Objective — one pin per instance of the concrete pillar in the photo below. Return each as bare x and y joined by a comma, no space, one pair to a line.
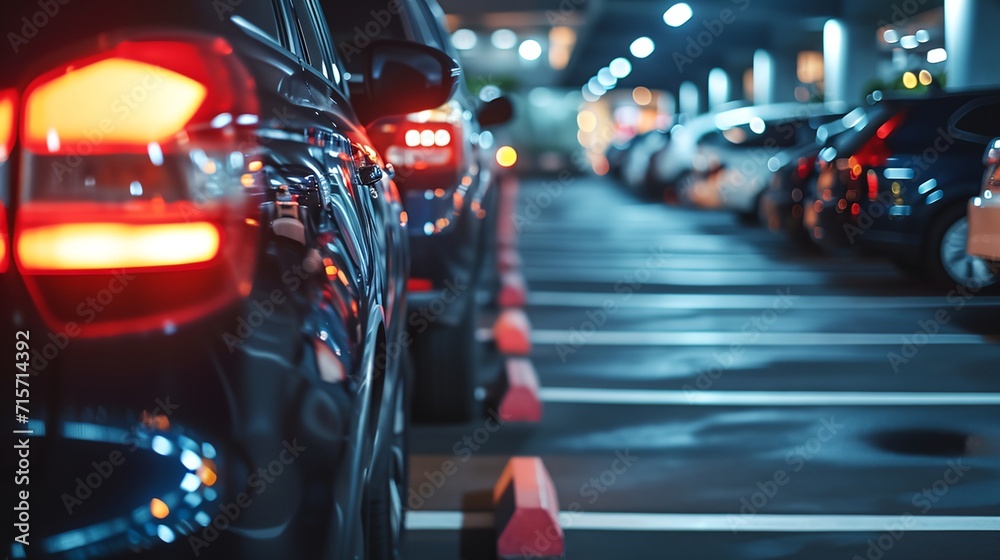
774,78
848,59
719,89
970,31
763,77
689,99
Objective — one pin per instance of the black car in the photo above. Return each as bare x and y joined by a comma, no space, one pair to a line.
448,190
792,171
204,259
898,183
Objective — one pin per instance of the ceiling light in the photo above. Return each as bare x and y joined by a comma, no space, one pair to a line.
530,50
464,39
935,56
504,39
620,68
596,88
606,79
642,47
677,15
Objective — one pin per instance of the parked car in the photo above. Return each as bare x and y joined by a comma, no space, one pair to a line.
635,169
984,210
792,170
615,155
898,184
670,164
204,261
730,167
447,186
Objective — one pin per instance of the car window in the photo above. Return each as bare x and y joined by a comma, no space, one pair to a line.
980,119
441,19
263,15
315,37
355,25
434,33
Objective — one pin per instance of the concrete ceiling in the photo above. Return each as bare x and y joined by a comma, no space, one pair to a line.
606,28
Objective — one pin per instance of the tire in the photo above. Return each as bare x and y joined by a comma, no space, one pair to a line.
946,262
445,359
386,511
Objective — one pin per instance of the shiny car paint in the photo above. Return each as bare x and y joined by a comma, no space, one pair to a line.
297,363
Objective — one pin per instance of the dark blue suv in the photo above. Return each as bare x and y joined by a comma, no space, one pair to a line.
203,260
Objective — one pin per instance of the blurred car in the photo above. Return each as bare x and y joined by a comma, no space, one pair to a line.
616,157
635,168
730,167
898,183
447,186
204,263
791,172
984,210
670,164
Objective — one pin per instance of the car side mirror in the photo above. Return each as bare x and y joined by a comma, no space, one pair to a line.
496,112
403,77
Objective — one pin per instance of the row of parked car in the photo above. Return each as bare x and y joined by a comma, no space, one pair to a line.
225,228
901,177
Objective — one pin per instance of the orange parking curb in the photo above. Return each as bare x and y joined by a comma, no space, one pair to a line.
513,290
527,511
512,333
520,401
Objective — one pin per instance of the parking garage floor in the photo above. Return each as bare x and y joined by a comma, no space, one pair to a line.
710,392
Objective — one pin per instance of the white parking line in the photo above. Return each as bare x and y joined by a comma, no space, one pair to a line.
447,520
730,301
715,522
703,278
723,338
762,398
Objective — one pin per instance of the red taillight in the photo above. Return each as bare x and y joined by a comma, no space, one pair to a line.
425,147
427,137
872,184
136,94
805,167
875,151
8,122
136,184
419,285
420,146
135,237
3,238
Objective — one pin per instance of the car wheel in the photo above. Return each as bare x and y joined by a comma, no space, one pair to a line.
445,362
948,261
390,476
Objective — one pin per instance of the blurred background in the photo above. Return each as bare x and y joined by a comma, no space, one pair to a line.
591,73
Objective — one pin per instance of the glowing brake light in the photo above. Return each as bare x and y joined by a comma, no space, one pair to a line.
3,238
427,138
8,114
137,181
805,166
413,138
108,246
156,104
